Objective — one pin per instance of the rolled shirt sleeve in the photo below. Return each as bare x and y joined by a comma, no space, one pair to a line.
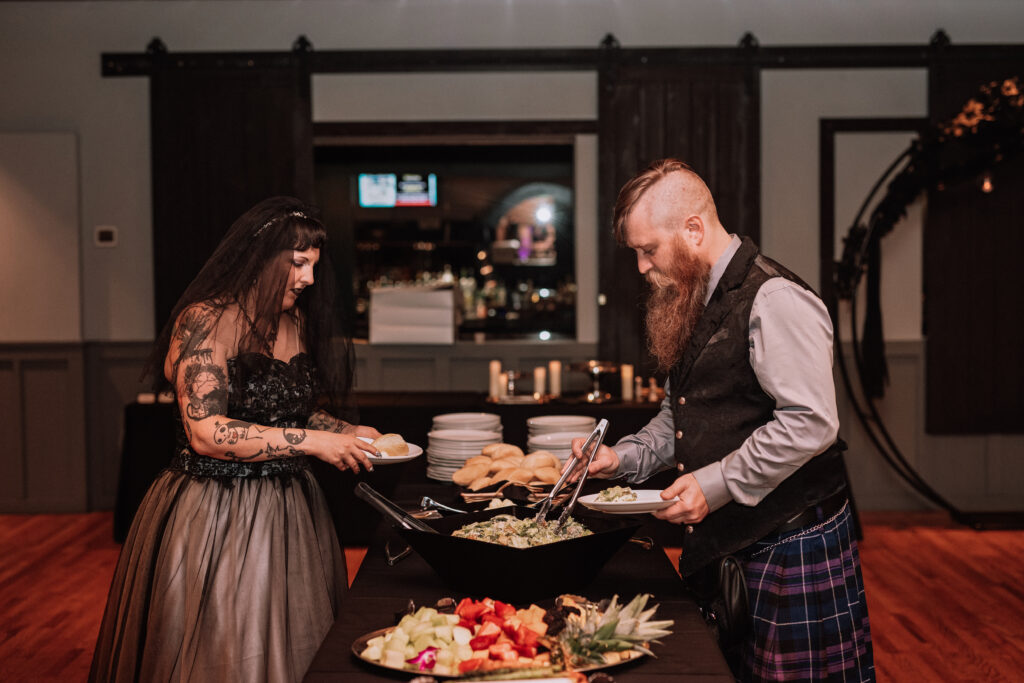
652,449
790,337
791,354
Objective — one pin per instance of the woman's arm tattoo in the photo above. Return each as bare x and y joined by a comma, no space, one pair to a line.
323,421
204,383
234,432
194,329
206,388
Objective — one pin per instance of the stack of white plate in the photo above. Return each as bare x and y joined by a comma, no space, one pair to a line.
546,424
448,449
487,422
558,443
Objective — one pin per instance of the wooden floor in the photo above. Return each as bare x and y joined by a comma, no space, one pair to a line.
946,602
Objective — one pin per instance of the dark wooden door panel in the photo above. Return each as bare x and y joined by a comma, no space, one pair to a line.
708,116
972,246
222,140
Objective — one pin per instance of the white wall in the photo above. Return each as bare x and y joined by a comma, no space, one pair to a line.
51,82
792,103
860,159
515,96
39,272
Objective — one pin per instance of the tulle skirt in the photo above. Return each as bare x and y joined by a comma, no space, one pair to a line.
222,580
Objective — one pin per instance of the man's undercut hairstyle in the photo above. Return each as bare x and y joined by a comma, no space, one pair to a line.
634,190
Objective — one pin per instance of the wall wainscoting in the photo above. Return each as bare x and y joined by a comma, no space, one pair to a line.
43,462
974,472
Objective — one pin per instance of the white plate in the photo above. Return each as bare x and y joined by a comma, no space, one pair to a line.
569,421
359,646
467,421
647,500
414,452
555,440
462,436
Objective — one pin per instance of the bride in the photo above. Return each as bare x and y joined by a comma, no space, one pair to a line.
232,570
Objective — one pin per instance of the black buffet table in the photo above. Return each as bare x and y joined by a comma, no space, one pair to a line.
149,445
380,591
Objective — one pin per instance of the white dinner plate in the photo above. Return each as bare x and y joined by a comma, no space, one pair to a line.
567,422
483,421
647,500
463,436
414,452
561,440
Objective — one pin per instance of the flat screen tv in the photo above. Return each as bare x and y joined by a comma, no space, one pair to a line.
390,190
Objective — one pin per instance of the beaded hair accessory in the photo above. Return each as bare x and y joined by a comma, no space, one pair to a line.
291,214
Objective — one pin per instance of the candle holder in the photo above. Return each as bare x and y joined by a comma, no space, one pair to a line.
597,369
510,395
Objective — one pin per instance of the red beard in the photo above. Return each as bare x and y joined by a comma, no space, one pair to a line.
675,304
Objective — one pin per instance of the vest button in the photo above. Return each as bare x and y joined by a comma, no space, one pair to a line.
679,434
680,467
689,528
682,400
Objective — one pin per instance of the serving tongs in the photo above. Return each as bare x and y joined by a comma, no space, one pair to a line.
390,510
428,503
593,442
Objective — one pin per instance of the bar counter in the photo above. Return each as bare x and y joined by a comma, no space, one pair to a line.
380,591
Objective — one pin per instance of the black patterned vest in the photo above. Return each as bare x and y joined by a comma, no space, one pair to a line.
717,403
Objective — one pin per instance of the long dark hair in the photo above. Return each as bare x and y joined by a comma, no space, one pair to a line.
250,269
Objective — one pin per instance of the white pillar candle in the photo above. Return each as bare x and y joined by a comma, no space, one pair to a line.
494,383
555,379
539,374
502,384
626,371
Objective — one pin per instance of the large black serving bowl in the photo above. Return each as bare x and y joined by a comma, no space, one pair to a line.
520,575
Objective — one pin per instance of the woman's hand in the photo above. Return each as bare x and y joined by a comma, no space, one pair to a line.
344,451
361,430
324,421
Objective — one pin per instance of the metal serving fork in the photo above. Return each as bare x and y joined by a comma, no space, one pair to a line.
593,442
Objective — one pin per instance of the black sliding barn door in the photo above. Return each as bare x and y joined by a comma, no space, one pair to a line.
973,243
223,138
708,116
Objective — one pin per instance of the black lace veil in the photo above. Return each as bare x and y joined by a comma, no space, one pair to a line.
250,268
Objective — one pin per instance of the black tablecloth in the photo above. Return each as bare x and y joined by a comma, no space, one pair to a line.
149,445
380,591
147,448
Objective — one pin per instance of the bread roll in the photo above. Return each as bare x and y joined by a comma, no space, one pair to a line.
479,483
520,475
548,475
509,461
391,445
538,459
489,449
478,460
468,474
504,450
502,475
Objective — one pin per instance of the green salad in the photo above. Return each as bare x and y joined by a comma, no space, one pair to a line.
521,533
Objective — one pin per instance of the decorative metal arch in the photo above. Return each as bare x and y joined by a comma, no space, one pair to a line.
989,130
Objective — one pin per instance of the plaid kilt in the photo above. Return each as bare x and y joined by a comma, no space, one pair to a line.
806,595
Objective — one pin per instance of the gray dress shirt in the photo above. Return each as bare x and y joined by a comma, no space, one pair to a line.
791,354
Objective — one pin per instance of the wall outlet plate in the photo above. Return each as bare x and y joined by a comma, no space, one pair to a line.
105,236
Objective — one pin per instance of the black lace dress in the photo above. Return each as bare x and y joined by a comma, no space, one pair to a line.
231,571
